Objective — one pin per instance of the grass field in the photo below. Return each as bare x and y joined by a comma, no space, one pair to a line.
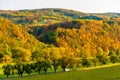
104,73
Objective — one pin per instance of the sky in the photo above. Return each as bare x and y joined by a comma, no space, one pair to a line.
89,6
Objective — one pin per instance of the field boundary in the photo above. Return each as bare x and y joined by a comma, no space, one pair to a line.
98,67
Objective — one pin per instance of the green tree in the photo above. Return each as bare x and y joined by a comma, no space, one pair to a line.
102,59
55,57
95,61
1,56
36,55
46,65
21,54
86,62
118,52
67,57
72,64
112,53
28,68
20,68
13,69
49,37
114,59
38,66
7,70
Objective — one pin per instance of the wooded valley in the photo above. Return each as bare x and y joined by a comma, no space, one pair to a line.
52,38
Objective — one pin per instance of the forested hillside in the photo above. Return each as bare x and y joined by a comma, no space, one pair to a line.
14,38
80,34
55,15
53,38
86,38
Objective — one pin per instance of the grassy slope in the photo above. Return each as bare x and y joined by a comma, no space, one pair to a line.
104,73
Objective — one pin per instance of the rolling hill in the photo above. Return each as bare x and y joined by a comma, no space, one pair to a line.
85,37
86,34
53,15
59,38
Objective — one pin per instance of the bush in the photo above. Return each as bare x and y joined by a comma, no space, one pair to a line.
86,62
114,59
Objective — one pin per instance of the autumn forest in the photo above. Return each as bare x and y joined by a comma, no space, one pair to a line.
57,38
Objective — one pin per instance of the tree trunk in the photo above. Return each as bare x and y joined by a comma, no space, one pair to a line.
7,76
95,64
55,70
63,69
21,74
39,72
45,71
100,64
54,65
13,73
87,66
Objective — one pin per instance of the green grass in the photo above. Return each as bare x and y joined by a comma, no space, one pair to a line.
104,73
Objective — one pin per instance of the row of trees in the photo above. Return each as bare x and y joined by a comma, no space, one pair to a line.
44,65
20,68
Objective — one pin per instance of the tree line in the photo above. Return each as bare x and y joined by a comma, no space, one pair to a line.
54,58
